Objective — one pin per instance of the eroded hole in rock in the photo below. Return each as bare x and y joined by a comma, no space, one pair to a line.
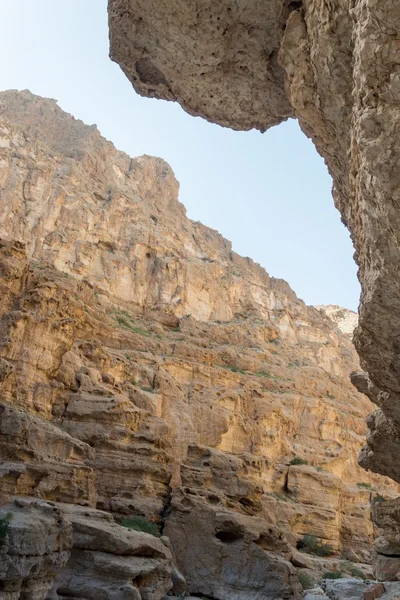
265,542
149,73
228,537
295,5
229,532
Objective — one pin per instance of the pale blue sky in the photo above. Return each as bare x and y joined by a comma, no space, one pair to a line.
270,194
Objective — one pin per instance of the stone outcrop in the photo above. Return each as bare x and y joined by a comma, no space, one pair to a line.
146,369
112,562
225,554
345,319
58,551
386,514
37,546
333,65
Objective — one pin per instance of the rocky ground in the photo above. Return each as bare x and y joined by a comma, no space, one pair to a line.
147,370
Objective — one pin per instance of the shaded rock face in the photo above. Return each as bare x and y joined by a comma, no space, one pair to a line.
36,548
386,560
233,49
146,369
57,551
228,555
332,64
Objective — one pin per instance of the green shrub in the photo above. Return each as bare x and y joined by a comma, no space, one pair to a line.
125,321
4,525
332,575
379,498
311,544
265,374
233,369
306,581
294,363
354,571
367,486
298,461
141,524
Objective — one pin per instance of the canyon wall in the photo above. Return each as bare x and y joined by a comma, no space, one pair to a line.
148,370
332,64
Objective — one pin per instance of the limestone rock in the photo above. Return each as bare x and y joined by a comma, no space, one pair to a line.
317,594
109,561
235,47
339,63
224,554
339,589
386,561
37,546
145,365
345,319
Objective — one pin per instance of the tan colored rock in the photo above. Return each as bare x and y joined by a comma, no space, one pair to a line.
112,562
114,397
38,458
340,79
345,319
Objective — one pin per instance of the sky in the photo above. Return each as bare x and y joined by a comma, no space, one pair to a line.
269,194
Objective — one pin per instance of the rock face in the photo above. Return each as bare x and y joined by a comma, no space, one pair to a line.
336,67
146,369
332,64
345,319
36,547
58,551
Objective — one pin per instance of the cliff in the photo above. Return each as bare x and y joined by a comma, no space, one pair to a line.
148,371
333,65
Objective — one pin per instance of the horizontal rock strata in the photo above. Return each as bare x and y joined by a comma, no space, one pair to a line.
332,64
147,370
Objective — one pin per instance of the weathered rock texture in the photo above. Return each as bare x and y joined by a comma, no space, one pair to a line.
345,319
334,65
36,548
146,369
57,551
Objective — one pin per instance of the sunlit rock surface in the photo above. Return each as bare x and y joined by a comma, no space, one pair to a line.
334,65
345,319
146,369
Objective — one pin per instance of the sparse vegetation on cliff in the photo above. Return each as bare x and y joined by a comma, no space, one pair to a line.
367,486
379,498
4,525
310,543
332,575
139,523
306,581
298,461
354,571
